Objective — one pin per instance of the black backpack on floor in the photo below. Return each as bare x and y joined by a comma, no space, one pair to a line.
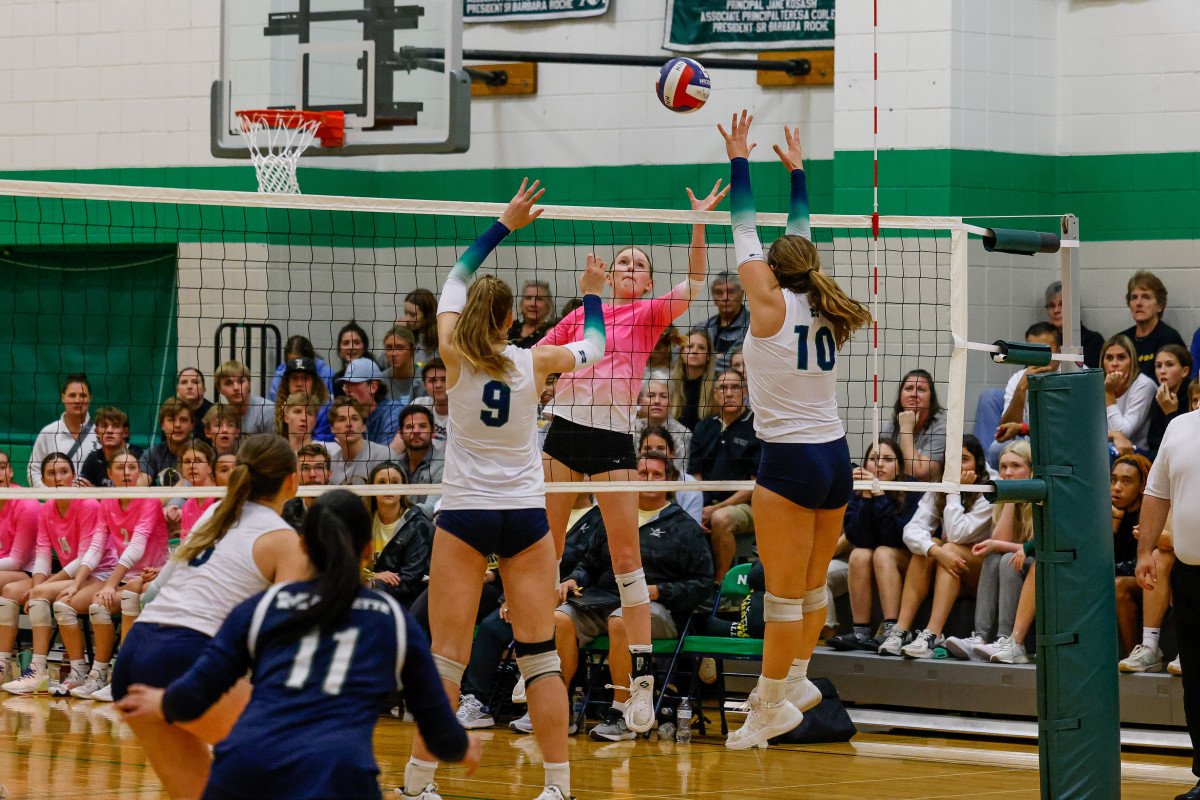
826,722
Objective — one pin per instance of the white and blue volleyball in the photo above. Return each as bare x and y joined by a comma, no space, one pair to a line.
683,85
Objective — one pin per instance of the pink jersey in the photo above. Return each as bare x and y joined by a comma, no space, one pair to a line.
605,396
68,535
192,509
18,535
136,535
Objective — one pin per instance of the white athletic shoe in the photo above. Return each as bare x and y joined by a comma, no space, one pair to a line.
96,680
473,714
103,695
430,792
1009,651
522,725
923,645
518,695
964,649
639,708
30,682
764,721
1142,659
894,642
803,694
613,728
553,793
984,652
1175,668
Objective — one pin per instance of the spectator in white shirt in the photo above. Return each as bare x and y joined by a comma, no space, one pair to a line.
1127,397
73,433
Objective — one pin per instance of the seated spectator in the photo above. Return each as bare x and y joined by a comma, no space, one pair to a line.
918,426
679,573
420,460
362,380
725,448
223,428
999,585
1148,656
72,434
401,379
420,317
1089,340
198,463
662,357
301,411
403,537
874,527
1128,484
161,462
352,343
659,440
727,328
692,381
189,387
1172,366
300,347
356,455
1011,649
537,307
313,467
300,377
233,383
112,431
226,464
436,400
1015,420
658,414
1146,297
18,546
1128,395
737,361
940,536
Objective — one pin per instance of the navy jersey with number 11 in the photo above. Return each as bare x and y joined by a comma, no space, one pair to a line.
307,732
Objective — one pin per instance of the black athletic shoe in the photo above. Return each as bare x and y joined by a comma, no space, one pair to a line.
850,641
1191,794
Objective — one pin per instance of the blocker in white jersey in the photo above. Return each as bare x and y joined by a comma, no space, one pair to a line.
792,377
492,456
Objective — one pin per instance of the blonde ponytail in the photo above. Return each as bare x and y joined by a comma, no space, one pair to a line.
481,325
796,263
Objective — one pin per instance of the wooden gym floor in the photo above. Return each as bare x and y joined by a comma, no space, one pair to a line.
55,748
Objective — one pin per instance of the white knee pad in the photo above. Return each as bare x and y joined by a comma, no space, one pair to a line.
815,599
131,605
10,612
633,588
538,660
783,609
65,615
40,615
449,670
99,614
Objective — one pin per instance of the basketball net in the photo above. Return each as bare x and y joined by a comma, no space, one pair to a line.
277,138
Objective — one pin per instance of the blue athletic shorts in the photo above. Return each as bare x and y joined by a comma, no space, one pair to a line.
810,475
155,655
504,533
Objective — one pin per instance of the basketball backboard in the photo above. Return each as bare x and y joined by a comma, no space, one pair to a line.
394,68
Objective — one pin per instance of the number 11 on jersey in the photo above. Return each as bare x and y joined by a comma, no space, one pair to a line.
826,350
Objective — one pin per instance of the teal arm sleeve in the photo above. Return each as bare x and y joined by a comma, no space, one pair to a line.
746,246
798,224
454,292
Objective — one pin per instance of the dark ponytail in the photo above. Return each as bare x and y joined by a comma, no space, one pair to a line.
337,529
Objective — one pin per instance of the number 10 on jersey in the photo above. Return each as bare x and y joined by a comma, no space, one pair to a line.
826,350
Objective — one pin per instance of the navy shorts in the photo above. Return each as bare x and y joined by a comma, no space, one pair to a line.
155,655
503,533
592,451
810,475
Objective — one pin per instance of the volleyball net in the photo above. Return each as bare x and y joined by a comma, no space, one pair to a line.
130,285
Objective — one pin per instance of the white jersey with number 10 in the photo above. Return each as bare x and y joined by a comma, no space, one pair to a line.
792,378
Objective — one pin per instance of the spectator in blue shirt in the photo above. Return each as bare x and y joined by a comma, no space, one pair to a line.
364,382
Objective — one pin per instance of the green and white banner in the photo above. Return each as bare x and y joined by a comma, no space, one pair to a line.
525,10
695,26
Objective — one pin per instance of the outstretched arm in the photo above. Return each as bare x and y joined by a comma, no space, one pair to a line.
797,224
590,349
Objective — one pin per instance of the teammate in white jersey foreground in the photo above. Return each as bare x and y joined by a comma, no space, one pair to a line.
493,494
799,320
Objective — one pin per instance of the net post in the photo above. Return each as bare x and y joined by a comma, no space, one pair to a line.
1069,266
956,399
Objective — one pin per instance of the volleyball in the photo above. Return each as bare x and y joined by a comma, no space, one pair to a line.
683,85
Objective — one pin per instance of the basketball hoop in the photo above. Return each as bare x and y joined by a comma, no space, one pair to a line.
277,137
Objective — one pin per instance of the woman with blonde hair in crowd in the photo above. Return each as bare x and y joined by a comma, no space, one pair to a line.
693,379
1128,395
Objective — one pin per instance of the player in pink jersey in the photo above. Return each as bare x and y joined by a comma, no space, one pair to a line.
18,543
135,530
589,438
65,527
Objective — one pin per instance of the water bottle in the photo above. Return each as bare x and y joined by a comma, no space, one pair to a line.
578,701
683,722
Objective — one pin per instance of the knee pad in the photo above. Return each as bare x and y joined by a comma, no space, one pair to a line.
537,660
449,670
65,615
815,599
40,615
783,609
10,612
131,604
99,614
633,589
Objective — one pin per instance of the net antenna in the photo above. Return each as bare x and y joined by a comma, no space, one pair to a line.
277,138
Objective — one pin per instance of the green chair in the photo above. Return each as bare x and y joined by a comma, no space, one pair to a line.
595,654
734,589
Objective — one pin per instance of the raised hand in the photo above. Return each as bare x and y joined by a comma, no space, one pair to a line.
712,201
1166,399
520,211
790,157
594,276
736,144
